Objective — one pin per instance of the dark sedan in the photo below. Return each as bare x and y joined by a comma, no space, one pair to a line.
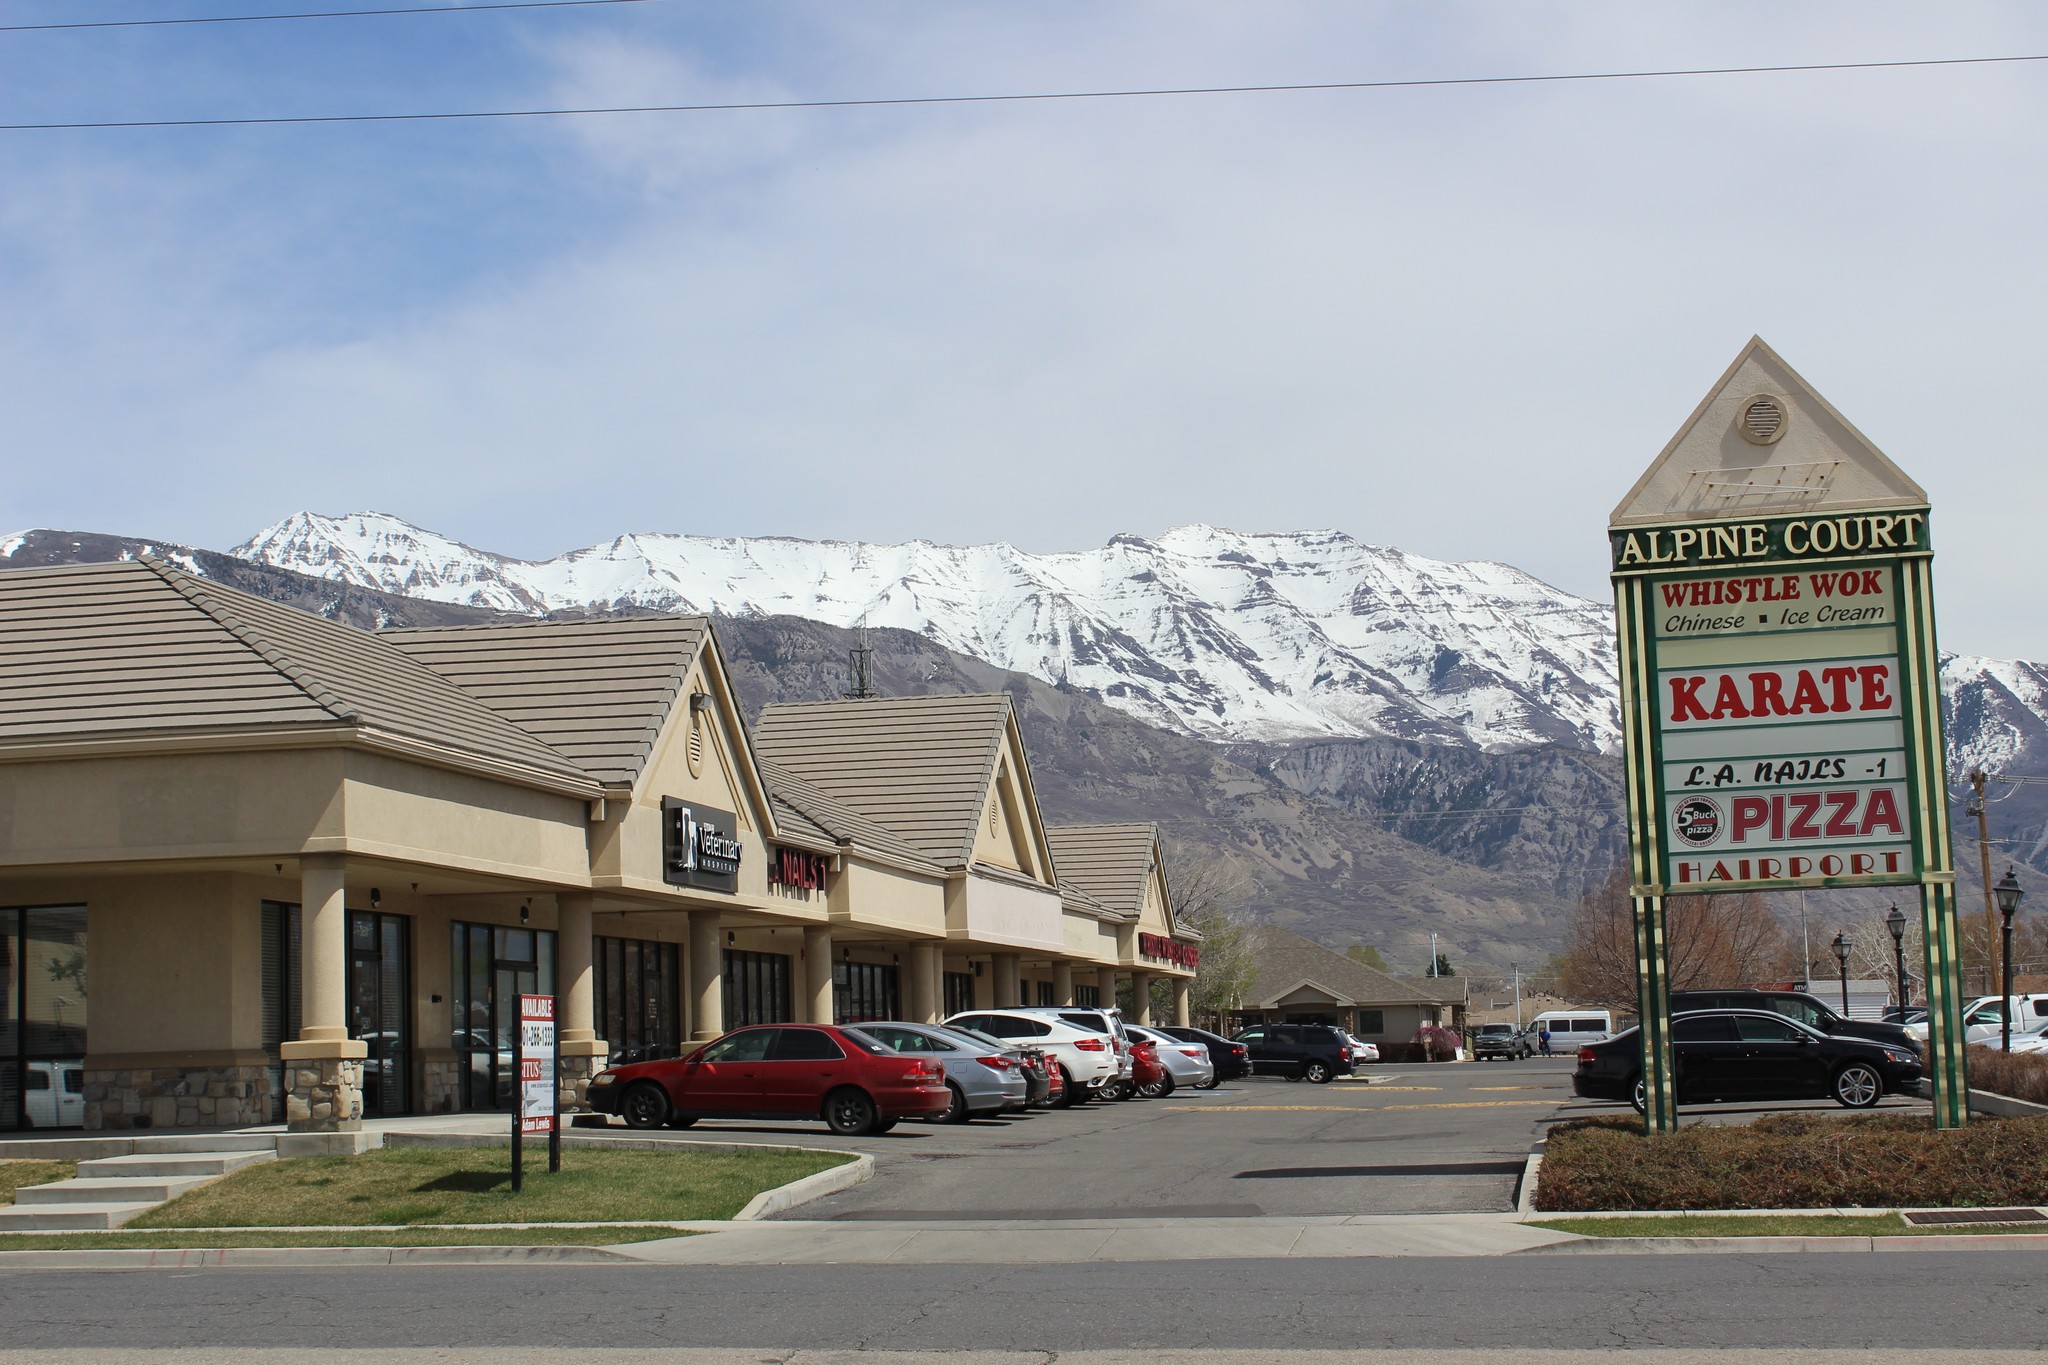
1751,1055
1231,1060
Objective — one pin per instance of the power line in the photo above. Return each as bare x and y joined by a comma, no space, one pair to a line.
1038,97
318,14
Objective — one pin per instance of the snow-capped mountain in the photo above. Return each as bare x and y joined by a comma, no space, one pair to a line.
1201,630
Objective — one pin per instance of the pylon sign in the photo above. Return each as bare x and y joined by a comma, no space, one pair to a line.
1780,683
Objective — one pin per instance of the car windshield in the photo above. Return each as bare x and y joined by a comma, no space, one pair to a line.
1503,1030
976,1035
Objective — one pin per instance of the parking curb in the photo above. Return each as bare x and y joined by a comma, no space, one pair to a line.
768,1203
190,1258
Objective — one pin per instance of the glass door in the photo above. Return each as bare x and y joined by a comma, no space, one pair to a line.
380,1008
492,966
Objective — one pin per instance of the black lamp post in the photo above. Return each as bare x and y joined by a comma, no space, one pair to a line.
2009,896
1896,922
1841,947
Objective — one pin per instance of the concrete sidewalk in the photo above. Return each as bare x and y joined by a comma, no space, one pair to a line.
1010,1242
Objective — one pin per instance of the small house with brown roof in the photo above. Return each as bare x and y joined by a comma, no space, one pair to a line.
1301,981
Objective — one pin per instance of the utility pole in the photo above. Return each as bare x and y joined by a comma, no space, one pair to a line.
1432,955
1976,808
1518,995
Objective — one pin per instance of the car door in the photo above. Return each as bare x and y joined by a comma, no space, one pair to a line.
1284,1050
802,1067
1706,1052
1778,1060
725,1076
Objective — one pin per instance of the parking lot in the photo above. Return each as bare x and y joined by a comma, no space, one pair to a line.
1408,1139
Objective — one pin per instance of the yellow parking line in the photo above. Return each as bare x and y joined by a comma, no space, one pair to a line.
1518,1087
1273,1108
1387,1089
1467,1104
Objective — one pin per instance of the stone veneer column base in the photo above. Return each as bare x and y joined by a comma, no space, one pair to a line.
127,1098
579,1062
323,1086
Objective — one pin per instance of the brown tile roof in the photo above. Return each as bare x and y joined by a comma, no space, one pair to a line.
803,808
140,648
1080,902
595,691
1284,960
918,767
1109,862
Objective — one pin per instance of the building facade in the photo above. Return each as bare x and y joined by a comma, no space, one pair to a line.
256,866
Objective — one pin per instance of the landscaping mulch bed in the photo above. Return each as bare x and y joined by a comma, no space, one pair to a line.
1795,1161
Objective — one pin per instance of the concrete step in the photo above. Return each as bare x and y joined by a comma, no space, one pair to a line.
152,1191
68,1217
96,1147
172,1165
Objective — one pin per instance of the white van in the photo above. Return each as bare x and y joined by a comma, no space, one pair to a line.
1571,1030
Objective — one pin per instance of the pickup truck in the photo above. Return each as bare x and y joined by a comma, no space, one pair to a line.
1498,1040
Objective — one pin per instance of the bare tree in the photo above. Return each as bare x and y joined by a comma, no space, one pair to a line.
1210,889
1711,941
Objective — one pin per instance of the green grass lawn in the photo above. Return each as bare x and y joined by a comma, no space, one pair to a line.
415,1185
15,1174
396,1237
1791,1225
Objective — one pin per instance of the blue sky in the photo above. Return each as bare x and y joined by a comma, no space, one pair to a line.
1455,320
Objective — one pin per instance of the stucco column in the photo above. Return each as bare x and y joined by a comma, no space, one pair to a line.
1063,983
925,997
582,1052
1105,986
707,977
324,1067
1141,997
1009,993
1183,999
818,973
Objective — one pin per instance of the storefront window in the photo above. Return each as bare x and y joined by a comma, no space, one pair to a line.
864,990
1045,994
490,966
1371,1022
43,1011
1088,997
959,993
281,994
636,998
756,988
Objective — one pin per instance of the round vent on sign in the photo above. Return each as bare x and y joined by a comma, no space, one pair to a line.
1763,419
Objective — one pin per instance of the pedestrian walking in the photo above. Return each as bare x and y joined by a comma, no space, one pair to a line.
1543,1040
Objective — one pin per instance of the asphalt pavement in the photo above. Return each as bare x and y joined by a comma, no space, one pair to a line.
1933,1301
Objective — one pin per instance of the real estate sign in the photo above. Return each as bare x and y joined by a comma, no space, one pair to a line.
536,1063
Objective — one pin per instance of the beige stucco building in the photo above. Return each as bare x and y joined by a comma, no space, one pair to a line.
257,865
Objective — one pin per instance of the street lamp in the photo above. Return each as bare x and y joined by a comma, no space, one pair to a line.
2009,897
1841,947
1896,922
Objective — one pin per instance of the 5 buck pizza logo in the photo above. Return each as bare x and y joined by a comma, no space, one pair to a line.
1697,821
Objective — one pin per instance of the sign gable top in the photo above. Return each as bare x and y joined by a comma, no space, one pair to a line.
1763,442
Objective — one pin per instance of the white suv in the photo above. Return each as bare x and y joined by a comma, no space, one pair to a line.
1089,1044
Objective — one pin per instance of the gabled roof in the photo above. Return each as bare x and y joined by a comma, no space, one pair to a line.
1795,454
1073,898
804,809
919,767
141,649
597,691
1109,862
1284,962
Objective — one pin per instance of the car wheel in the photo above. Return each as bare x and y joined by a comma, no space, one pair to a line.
644,1106
1113,1091
850,1113
1858,1086
882,1127
681,1120
1317,1073
956,1107
1210,1084
1072,1092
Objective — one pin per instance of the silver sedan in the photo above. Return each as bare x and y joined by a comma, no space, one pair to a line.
983,1081
1187,1063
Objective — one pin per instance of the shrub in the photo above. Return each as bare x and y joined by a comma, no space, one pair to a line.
1438,1044
2019,1075
1795,1161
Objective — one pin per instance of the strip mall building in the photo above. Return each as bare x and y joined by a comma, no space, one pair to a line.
258,866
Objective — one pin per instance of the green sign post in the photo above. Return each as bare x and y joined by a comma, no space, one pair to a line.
1780,686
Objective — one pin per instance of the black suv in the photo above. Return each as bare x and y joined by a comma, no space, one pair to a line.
1300,1052
1797,1006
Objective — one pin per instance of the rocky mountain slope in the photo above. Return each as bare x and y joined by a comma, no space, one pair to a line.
1206,631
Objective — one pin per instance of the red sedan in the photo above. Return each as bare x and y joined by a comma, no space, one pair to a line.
1148,1073
778,1071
